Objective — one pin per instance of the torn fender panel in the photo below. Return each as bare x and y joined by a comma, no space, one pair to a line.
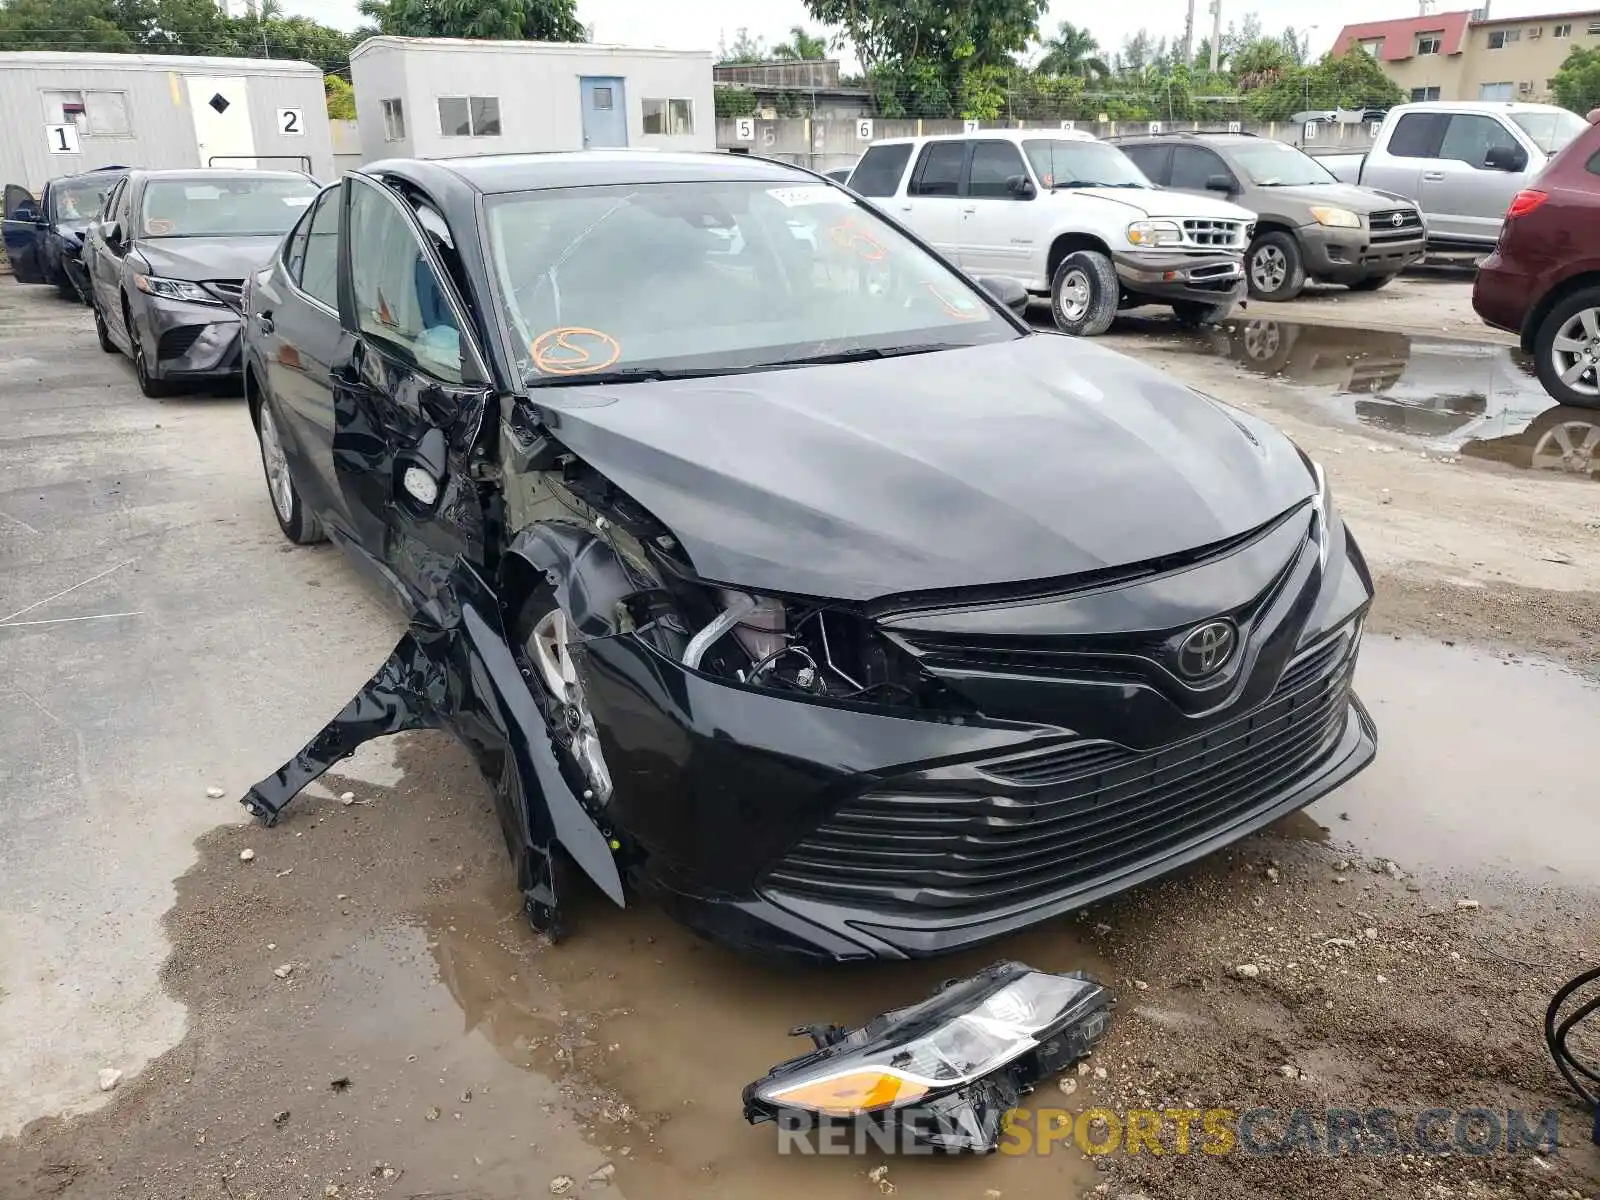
943,1072
465,679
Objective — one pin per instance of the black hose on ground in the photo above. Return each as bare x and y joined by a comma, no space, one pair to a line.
1585,1080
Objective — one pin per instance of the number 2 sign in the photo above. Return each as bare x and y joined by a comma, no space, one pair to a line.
292,122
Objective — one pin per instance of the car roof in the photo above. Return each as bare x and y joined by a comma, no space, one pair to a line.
496,173
1004,135
1504,106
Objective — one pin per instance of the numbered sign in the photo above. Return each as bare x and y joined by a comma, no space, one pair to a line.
1234,126
769,136
864,130
1155,126
744,128
1069,126
969,127
291,122
1373,127
1311,131
63,138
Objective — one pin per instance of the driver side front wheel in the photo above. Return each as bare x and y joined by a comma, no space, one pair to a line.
298,523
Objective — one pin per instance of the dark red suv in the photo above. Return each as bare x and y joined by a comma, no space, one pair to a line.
1543,280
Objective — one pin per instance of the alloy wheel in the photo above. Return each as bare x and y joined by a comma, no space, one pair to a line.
279,484
1570,446
550,648
1075,295
1268,268
1575,352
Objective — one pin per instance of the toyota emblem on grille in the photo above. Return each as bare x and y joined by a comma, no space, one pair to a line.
1398,219
1206,649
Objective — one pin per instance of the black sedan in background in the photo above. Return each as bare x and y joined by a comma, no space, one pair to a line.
44,237
767,563
167,260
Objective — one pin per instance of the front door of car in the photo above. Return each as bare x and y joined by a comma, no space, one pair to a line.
410,403
23,234
105,250
932,203
1462,194
996,232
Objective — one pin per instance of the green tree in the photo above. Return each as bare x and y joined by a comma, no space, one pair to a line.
734,101
513,20
341,98
63,25
801,45
745,49
1073,52
1576,84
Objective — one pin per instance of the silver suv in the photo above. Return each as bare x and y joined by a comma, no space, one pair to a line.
1308,224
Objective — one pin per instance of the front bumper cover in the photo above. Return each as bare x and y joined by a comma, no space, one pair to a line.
1349,255
184,340
1198,278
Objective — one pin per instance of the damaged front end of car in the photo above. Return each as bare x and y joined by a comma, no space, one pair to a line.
943,1073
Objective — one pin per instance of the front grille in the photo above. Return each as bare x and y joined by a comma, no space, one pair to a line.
1072,815
175,343
1383,229
1214,233
229,291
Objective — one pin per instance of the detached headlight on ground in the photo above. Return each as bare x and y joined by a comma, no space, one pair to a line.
173,289
949,1067
1155,233
1339,218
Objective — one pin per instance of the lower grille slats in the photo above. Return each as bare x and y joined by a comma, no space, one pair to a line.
1114,807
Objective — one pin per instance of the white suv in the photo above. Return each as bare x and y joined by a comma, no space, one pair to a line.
1065,215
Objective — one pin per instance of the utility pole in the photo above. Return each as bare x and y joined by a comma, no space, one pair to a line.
1188,38
1216,34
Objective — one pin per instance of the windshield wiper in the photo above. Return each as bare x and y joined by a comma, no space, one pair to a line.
862,354
625,375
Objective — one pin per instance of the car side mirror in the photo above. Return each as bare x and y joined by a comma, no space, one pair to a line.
1505,158
1008,291
1021,187
1220,183
112,232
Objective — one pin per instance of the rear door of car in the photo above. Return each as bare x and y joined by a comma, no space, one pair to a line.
23,234
410,401
295,323
995,232
1462,196
1153,158
932,203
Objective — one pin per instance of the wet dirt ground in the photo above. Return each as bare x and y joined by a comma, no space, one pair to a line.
422,1042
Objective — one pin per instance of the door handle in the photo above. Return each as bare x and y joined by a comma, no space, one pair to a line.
1433,176
973,209
265,321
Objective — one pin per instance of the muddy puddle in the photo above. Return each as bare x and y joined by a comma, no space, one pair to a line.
1479,400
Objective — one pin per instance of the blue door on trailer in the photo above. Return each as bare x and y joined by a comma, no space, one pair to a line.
605,112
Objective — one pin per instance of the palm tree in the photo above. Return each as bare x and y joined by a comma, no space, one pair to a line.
1073,51
801,45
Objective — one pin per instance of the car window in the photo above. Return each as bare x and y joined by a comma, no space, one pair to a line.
1152,160
993,163
1060,163
1417,135
1469,138
209,206
294,247
939,170
400,302
724,276
1193,165
879,171
1267,163
320,275
1550,131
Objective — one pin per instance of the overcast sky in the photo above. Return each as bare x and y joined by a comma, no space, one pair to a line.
699,24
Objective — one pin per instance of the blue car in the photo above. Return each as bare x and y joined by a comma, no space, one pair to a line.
44,236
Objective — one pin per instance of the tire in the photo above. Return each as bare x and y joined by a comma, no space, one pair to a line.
1566,440
1274,267
1084,293
152,387
1194,314
1566,350
541,620
298,523
102,331
65,288
1371,283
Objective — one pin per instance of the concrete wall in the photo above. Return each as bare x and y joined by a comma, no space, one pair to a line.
830,145
162,131
536,84
346,147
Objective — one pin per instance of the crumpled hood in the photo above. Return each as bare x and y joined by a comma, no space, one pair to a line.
1359,200
1159,202
1044,456
201,258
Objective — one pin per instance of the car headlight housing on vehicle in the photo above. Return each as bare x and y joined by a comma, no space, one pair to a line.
979,1043
173,289
1338,218
1155,233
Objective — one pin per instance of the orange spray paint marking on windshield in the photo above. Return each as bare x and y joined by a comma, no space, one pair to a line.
849,236
573,350
951,302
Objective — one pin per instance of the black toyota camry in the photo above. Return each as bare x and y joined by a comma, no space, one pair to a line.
768,564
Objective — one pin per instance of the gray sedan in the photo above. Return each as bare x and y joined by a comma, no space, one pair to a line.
167,263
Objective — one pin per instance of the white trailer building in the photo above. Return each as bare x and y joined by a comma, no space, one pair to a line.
445,97
62,114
